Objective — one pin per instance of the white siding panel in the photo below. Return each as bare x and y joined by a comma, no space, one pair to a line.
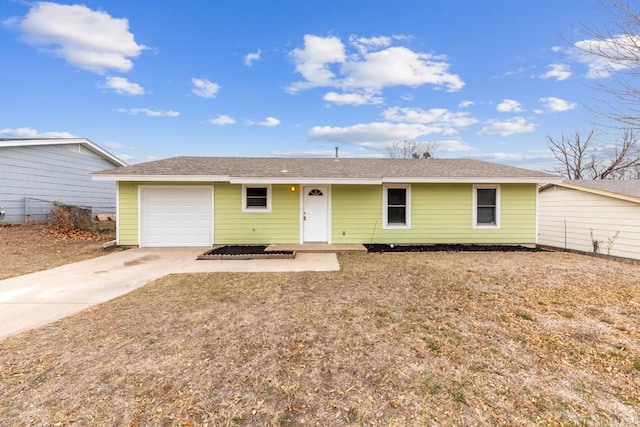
176,216
569,218
56,173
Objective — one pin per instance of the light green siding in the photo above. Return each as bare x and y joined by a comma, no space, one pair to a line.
127,213
356,212
440,213
281,225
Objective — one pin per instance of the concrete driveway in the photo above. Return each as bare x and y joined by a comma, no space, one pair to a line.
38,298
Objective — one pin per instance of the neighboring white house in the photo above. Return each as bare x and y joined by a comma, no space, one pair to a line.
600,216
34,173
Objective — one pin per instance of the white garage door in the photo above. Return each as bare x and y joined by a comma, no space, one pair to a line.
176,216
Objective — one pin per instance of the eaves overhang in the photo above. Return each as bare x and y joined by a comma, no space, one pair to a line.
163,178
472,180
298,180
324,180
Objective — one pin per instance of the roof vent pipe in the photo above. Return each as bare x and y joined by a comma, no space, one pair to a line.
337,152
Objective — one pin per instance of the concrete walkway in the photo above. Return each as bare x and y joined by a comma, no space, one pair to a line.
38,298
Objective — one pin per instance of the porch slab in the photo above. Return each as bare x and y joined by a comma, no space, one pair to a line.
316,247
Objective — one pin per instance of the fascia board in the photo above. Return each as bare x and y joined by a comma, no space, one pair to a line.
164,178
46,141
297,180
471,180
104,153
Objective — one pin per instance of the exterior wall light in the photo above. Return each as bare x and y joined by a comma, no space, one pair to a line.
293,188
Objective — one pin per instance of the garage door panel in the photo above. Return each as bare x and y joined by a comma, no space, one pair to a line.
176,216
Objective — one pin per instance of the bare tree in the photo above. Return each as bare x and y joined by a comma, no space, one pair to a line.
580,157
617,47
411,149
575,154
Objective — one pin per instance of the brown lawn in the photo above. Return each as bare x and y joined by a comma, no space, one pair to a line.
33,247
392,339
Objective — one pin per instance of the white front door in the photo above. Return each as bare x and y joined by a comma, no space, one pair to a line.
315,215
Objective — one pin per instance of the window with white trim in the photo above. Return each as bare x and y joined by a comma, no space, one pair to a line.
256,198
486,206
397,206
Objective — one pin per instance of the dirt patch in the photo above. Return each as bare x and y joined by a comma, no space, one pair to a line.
34,247
449,248
245,252
393,339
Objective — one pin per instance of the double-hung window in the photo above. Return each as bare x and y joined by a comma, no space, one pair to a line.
486,206
397,206
256,198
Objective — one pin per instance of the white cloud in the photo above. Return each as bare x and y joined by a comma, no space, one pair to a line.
466,104
557,104
452,145
533,159
113,145
309,153
123,86
400,124
313,61
268,122
33,133
125,157
558,71
204,88
376,135
324,62
517,71
509,106
397,66
353,98
250,58
148,112
364,44
222,120
507,127
87,39
439,116
599,66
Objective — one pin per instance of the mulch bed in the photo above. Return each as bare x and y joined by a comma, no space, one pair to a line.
449,248
244,252
260,252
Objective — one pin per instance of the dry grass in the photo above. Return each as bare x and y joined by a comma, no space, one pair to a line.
34,247
392,339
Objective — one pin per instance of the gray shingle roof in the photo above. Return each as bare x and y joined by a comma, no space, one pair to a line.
627,187
326,168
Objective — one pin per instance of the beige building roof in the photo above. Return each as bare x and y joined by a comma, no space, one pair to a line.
628,189
319,170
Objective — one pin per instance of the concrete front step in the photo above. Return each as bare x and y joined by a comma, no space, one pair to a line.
316,247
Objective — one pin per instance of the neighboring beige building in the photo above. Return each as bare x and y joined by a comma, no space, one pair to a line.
591,216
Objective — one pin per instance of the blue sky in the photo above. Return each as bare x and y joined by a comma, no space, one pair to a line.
147,80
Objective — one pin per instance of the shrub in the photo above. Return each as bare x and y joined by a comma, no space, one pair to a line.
65,218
